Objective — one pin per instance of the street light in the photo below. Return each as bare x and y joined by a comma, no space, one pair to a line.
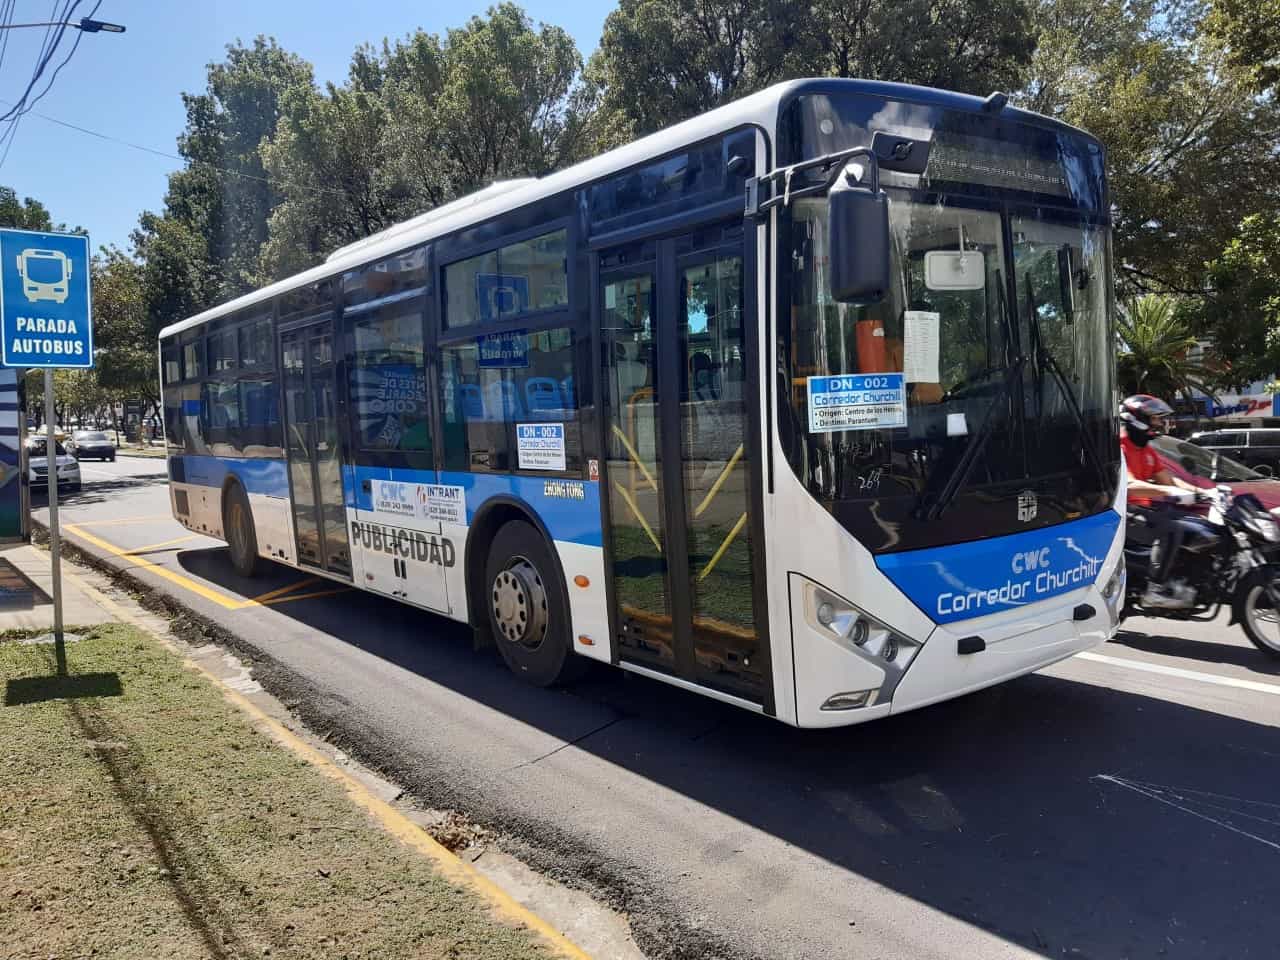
93,26
86,25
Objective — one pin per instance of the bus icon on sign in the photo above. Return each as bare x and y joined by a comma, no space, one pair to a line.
45,274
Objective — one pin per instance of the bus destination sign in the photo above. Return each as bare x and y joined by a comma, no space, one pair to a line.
857,401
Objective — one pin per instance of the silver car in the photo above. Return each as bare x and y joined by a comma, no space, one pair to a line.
38,466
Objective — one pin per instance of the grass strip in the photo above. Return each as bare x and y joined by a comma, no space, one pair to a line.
142,816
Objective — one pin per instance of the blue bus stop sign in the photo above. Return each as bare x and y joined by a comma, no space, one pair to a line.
45,307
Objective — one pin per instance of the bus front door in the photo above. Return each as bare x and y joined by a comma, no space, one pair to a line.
315,463
677,346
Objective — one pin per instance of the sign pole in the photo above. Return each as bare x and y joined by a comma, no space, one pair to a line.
46,321
51,458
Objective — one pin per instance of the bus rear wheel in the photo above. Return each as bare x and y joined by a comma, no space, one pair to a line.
237,528
528,610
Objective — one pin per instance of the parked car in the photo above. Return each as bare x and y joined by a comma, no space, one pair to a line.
92,445
1258,447
38,466
1206,467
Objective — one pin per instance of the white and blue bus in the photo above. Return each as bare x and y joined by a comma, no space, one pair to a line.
805,404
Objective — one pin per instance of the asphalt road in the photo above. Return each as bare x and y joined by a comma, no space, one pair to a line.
1105,807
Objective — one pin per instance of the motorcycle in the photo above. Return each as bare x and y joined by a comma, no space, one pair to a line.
1229,557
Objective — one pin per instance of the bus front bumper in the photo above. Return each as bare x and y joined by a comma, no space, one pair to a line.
839,683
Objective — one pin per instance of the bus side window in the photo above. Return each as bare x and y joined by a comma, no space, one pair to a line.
387,380
494,382
171,374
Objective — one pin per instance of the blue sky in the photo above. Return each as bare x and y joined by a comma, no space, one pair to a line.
130,85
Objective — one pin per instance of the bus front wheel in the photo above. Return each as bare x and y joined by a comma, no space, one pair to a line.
237,529
527,608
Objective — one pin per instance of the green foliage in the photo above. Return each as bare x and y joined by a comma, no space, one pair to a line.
1250,30
661,61
29,214
1154,349
216,209
125,359
420,123
1192,146
1242,310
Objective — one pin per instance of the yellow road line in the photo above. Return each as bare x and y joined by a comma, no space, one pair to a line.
304,596
287,588
163,543
105,523
163,572
450,866
269,598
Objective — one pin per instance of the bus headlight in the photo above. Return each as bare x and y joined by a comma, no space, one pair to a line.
858,632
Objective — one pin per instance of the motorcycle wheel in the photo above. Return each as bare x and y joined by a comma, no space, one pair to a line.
1257,607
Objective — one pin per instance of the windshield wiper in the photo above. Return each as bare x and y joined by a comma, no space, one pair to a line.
977,443
1044,361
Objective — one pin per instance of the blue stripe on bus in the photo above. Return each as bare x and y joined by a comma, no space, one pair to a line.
269,478
568,520
965,580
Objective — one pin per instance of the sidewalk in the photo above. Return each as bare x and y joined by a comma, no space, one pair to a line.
33,566
150,811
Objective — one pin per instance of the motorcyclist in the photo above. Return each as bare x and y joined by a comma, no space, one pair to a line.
1143,417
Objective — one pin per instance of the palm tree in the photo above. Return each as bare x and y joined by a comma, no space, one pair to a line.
1155,349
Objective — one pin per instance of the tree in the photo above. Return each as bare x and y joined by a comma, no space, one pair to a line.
973,46
1192,146
29,214
419,124
126,360
1242,308
1250,30
206,244
1154,350
661,61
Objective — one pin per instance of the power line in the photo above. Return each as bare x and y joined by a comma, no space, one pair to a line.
6,18
43,62
11,131
181,159
65,60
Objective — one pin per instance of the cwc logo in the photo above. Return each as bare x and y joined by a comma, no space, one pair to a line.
1030,560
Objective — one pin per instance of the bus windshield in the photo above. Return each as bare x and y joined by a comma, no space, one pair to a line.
998,323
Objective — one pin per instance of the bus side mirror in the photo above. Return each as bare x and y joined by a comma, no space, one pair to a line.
858,231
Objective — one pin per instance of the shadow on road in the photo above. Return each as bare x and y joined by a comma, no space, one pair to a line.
1250,657
1071,819
97,491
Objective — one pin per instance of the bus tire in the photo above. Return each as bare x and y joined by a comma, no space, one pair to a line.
528,608
238,531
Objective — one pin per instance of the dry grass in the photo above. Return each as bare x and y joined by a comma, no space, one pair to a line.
157,823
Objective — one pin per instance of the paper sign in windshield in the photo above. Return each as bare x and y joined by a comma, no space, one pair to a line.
540,446
857,401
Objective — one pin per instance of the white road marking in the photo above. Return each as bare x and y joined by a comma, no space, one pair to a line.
1169,796
1254,685
99,472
